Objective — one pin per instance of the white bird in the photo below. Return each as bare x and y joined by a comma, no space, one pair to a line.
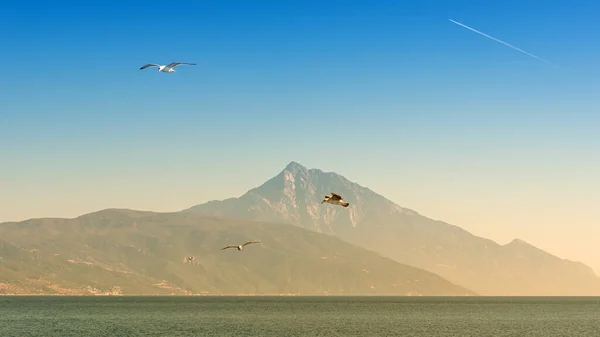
335,199
166,69
240,247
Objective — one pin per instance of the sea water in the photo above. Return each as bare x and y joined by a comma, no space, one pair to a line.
299,316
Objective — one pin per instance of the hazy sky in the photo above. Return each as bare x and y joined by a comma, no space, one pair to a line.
393,96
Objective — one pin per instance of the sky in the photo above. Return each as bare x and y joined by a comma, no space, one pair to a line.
391,95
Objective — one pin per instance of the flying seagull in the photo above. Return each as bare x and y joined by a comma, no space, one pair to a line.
190,258
240,247
335,199
169,68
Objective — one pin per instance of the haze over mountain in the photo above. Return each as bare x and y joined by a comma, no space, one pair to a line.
376,223
118,251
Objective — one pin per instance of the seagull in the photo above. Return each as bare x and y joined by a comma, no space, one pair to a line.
166,69
190,258
335,199
240,247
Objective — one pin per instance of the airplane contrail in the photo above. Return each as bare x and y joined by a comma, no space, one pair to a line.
504,43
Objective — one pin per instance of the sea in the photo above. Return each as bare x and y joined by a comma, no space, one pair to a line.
62,316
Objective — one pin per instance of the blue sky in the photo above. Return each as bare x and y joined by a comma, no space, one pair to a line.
392,95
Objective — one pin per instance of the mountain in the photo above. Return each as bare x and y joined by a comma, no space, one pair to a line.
376,223
119,251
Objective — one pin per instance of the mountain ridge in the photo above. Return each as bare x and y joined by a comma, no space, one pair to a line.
128,252
376,223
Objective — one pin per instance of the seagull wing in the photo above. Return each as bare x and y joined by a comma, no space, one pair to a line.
228,247
336,196
175,64
149,65
249,242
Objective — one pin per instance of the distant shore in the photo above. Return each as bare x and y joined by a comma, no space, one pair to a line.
230,295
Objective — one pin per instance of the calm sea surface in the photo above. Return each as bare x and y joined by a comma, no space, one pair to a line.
299,316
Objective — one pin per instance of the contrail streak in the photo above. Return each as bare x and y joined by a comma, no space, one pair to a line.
504,43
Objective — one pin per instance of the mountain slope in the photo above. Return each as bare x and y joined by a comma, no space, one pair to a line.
130,252
376,223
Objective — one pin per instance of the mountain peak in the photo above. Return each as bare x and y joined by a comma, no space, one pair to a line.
294,165
294,168
520,243
295,196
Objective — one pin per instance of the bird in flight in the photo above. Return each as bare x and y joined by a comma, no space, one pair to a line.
169,68
335,199
190,258
240,247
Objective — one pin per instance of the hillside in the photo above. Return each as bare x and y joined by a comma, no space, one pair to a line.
130,252
376,223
